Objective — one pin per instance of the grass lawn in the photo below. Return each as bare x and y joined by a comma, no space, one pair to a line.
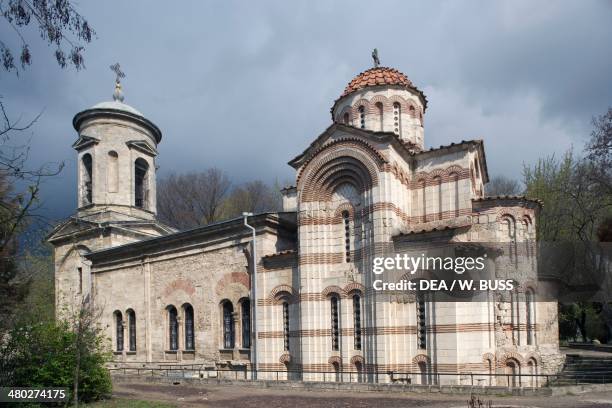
128,403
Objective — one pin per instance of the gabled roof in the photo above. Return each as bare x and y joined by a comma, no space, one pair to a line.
520,198
84,141
378,137
478,143
142,146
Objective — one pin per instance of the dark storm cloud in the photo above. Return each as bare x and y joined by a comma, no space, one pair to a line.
247,85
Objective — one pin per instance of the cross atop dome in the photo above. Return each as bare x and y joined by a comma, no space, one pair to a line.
375,57
118,94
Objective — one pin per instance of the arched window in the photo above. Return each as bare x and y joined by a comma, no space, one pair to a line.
132,329
437,199
379,111
336,368
245,316
513,372
423,191
286,325
412,111
346,119
347,235
397,119
532,368
454,197
228,325
359,369
421,320
423,372
362,117
87,179
357,321
112,172
172,328
141,190
189,329
119,330
335,322
529,314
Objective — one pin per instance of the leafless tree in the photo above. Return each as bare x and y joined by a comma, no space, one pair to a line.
192,199
502,185
58,24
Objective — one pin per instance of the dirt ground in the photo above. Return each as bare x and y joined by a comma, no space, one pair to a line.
206,395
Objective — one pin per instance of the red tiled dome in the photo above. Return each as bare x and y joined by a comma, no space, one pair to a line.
377,76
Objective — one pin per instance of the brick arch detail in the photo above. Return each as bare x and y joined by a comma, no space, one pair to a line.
354,287
357,360
241,278
277,292
512,355
335,359
366,106
421,358
340,117
285,358
488,357
328,291
318,158
535,357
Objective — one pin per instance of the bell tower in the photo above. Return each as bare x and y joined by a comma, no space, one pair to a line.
116,148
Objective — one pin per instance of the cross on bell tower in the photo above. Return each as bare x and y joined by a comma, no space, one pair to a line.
118,94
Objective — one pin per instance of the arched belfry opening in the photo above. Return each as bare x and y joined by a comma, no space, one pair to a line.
87,179
141,187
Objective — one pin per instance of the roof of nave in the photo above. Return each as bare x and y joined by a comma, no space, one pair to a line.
513,198
477,143
381,76
216,232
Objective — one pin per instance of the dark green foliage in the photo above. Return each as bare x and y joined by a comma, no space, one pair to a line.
43,354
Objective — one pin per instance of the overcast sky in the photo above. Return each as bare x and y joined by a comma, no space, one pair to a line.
246,86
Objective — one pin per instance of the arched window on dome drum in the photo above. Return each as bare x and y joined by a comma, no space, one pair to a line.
347,235
346,119
335,322
119,331
437,199
379,111
141,188
132,329
454,197
87,190
397,119
189,329
112,172
362,117
357,321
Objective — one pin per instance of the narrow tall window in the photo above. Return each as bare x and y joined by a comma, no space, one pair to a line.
424,200
362,117
141,169
228,325
245,315
357,321
335,323
132,329
112,172
346,118
87,179
119,330
454,199
80,272
172,328
189,332
421,318
529,315
380,111
347,235
397,119
286,325
437,201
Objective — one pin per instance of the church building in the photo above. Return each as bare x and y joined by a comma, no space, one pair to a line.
365,187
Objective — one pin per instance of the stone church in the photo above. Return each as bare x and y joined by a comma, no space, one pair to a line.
365,186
